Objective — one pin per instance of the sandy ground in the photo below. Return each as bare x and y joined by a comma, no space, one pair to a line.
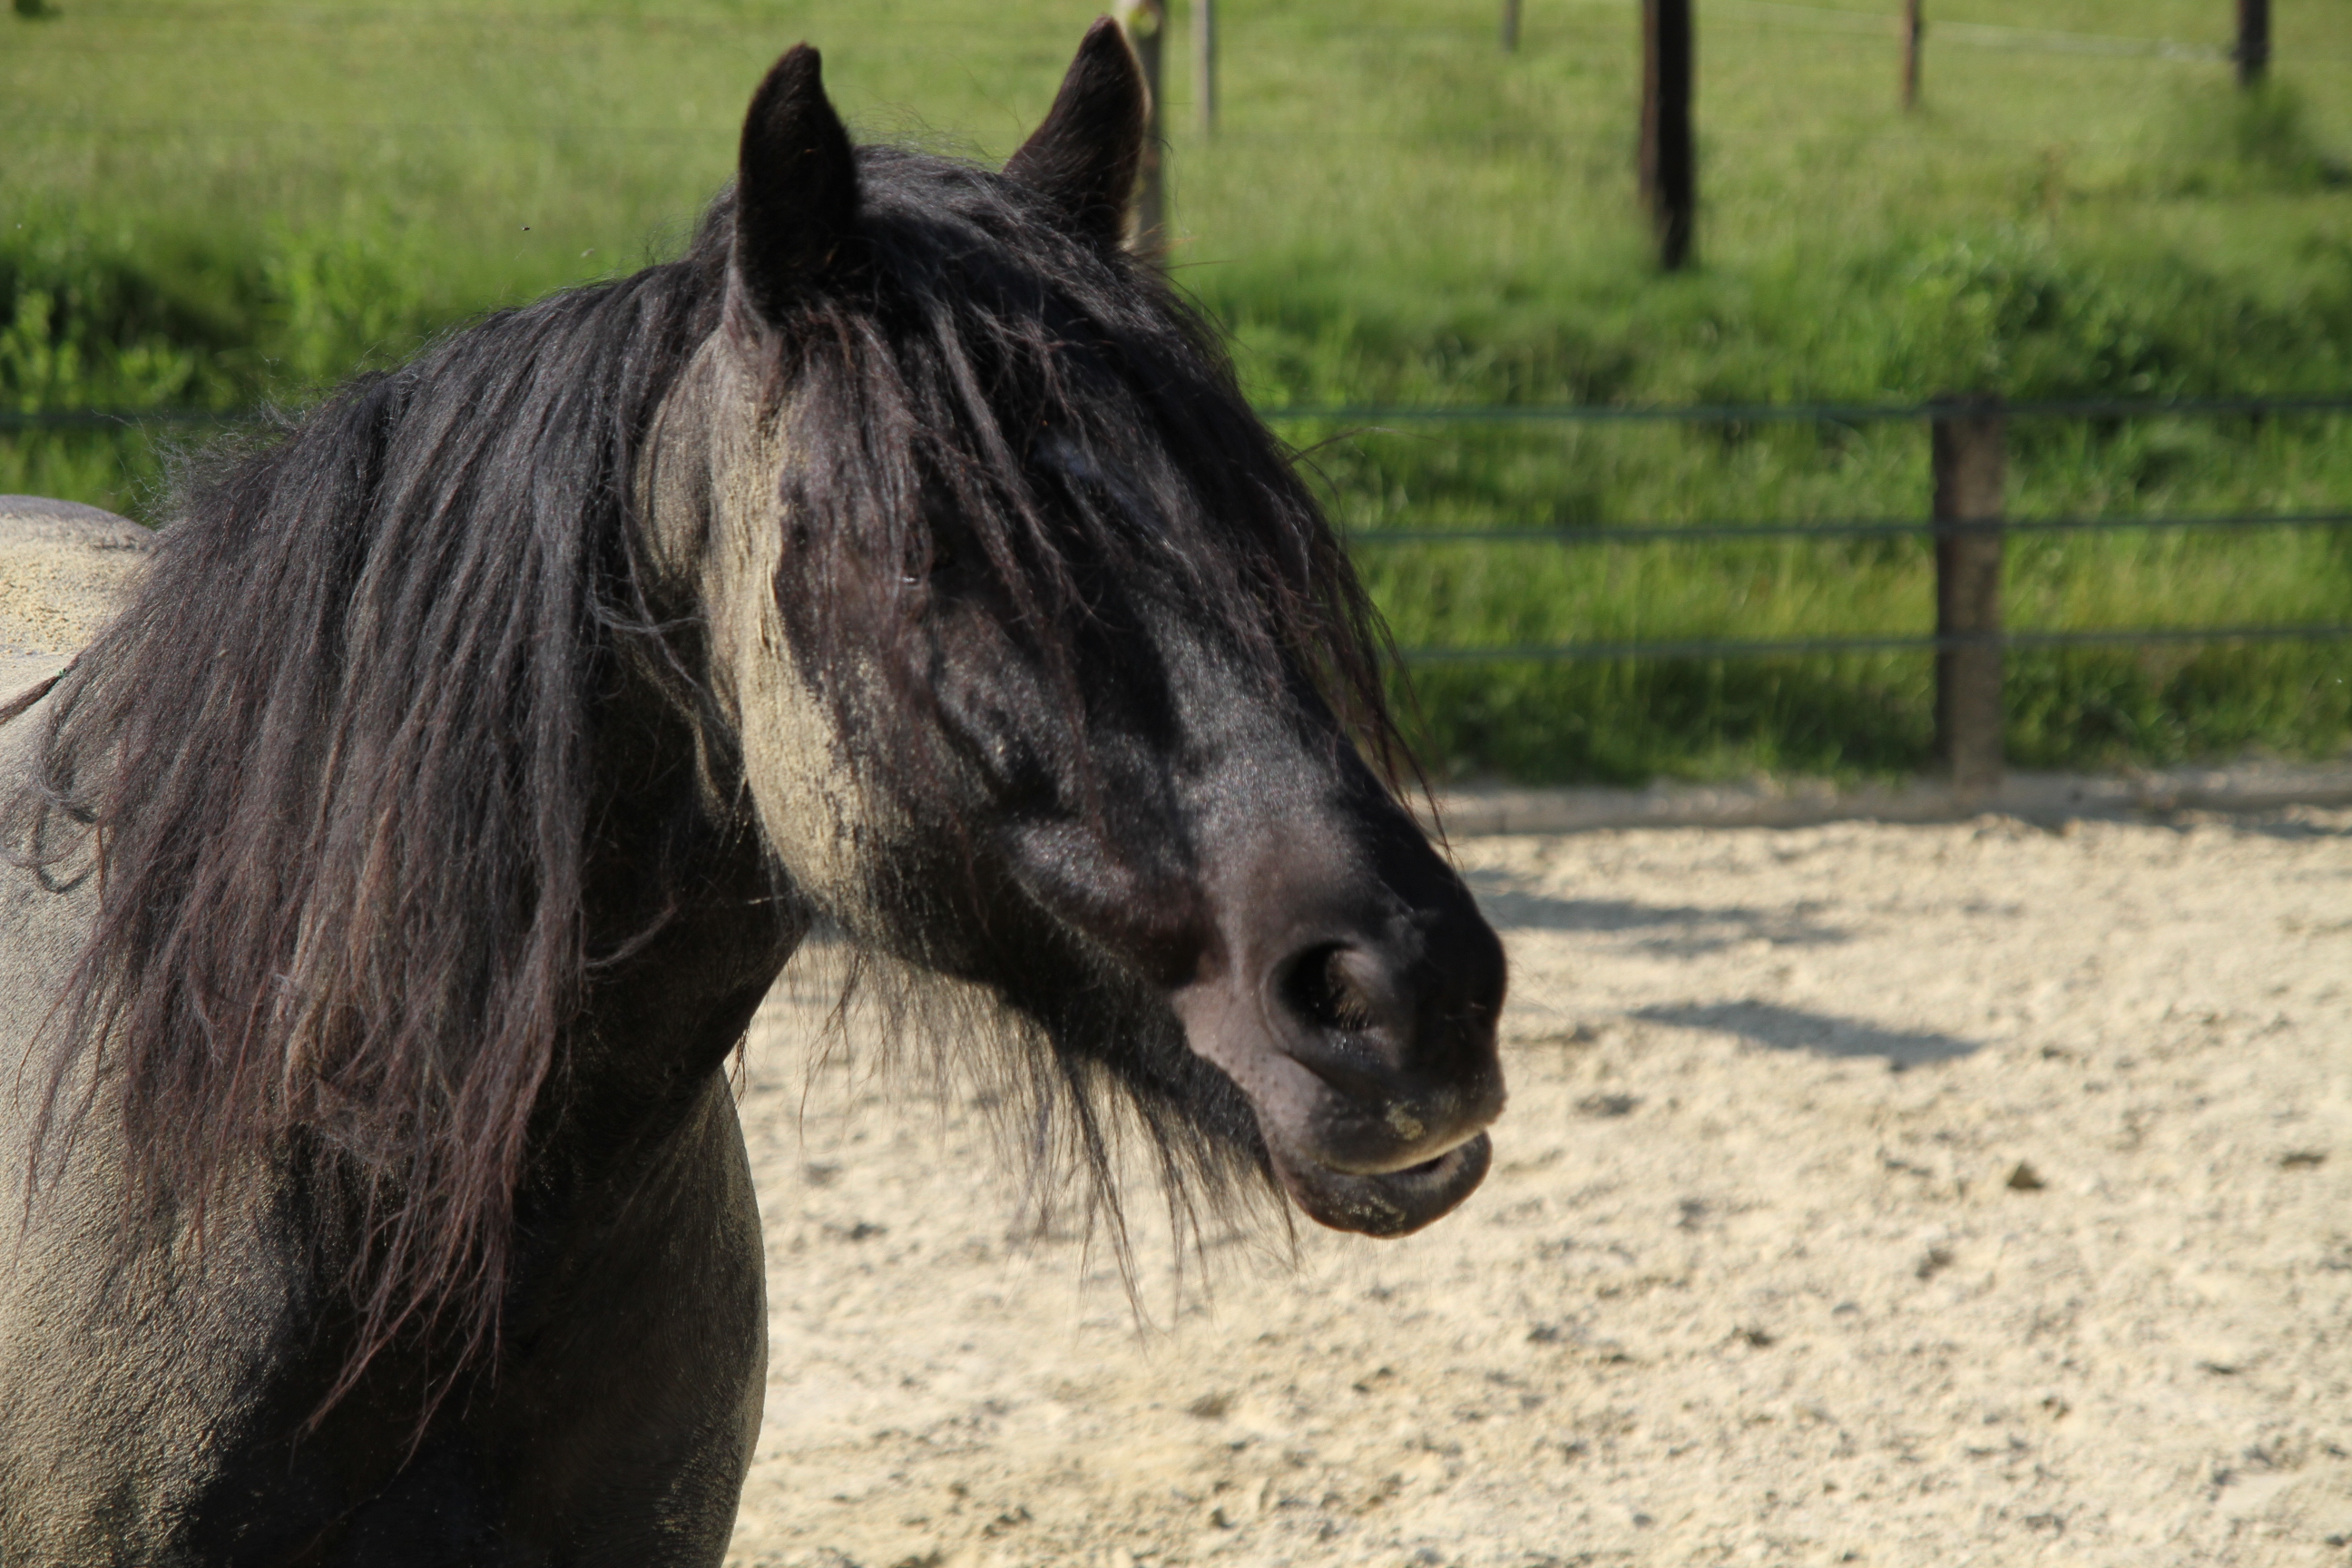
63,569
1896,1194
1900,1194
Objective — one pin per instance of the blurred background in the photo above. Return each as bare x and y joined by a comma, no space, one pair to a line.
208,206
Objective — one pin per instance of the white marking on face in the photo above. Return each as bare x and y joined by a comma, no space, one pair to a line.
819,819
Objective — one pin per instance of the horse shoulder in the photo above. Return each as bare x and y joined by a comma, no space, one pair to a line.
99,1413
64,569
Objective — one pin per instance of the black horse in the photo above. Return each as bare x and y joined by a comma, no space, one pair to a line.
396,875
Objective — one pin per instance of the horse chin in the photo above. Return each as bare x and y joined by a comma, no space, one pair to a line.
1387,1204
1378,1147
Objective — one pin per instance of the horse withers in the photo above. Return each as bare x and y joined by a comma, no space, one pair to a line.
394,875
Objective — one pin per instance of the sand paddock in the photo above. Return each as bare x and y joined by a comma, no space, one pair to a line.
1913,1194
1903,1195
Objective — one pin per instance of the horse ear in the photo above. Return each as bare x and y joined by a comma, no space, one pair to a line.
795,187
1086,152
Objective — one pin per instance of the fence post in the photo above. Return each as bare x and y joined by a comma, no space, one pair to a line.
1204,65
1510,27
1145,21
1970,469
1915,29
2253,51
1669,176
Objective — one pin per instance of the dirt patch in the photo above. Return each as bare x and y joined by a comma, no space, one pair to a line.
1899,1195
64,569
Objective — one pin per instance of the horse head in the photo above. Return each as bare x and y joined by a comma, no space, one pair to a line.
1039,666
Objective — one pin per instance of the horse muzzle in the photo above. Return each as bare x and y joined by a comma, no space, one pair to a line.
1368,1055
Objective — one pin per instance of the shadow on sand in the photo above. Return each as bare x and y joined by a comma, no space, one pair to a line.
1667,929
1824,1033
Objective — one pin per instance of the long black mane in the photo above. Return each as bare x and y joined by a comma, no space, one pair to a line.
337,752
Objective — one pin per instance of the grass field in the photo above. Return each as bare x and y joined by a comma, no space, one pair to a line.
204,204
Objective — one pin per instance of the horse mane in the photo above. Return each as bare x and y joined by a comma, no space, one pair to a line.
337,753
338,750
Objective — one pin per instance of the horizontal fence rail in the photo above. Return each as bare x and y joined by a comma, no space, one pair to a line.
1479,413
1968,527
1789,413
125,418
1675,532
1563,653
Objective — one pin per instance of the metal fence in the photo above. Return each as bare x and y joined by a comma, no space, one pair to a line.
1966,520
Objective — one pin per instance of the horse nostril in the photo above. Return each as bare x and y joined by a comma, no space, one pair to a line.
1320,991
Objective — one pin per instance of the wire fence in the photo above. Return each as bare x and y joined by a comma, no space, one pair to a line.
1798,413
1992,526
1968,527
1891,642
2254,404
756,24
1678,533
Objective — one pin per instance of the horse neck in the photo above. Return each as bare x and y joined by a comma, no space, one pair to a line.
687,931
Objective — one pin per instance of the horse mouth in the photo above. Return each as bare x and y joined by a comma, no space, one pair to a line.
1391,1203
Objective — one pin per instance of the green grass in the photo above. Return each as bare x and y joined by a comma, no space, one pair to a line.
204,204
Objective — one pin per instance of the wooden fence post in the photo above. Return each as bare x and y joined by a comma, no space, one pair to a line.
1669,172
1970,468
1510,27
2253,51
1145,22
1204,65
1915,29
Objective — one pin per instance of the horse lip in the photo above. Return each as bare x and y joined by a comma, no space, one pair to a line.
1385,1204
1376,1134
1353,1158
1376,1163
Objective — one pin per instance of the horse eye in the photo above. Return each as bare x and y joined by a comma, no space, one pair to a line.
942,558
